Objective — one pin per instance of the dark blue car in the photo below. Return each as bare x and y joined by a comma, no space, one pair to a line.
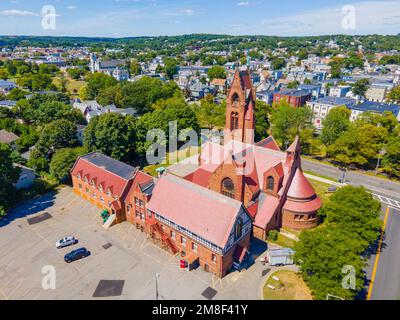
76,255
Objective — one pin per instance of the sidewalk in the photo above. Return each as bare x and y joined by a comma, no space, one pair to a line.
330,182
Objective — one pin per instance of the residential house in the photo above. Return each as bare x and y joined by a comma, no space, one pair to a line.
321,107
9,104
9,138
296,98
374,107
26,178
220,85
339,91
6,86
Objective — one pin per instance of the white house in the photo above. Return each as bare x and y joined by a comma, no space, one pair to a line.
322,107
26,178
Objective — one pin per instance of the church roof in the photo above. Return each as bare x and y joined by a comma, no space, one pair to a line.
300,188
212,217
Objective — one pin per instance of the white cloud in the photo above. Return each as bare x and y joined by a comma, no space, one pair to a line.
243,3
21,13
370,17
189,12
72,7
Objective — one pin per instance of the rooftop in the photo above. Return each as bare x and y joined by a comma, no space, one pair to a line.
335,101
111,165
7,137
378,107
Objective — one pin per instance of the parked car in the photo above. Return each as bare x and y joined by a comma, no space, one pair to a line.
76,255
66,242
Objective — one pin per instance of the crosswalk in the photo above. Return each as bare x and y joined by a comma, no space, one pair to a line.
385,200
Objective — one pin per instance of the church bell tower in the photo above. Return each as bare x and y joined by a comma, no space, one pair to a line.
240,109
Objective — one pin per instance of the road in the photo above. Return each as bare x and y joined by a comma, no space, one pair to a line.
386,277
377,185
386,284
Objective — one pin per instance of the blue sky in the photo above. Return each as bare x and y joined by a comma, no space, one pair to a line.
121,18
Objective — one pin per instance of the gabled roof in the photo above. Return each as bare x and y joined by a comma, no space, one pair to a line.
203,212
110,173
7,137
269,143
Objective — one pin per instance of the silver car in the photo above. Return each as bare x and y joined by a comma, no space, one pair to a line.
66,242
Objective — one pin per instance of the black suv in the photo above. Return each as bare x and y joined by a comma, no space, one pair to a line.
76,255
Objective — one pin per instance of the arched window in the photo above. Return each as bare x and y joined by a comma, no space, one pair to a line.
234,121
235,100
228,188
238,228
270,183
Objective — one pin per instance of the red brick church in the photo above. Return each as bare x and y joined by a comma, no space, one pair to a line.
234,191
270,183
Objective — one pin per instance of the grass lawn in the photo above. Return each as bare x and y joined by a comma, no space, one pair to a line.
283,241
321,189
289,287
73,86
172,158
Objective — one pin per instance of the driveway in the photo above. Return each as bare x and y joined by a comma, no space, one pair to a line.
27,251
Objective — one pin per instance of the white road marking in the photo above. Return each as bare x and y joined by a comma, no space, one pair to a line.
394,204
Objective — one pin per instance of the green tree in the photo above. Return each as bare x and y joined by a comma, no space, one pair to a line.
360,87
111,134
63,161
342,241
8,176
262,115
165,111
135,68
143,93
41,81
359,145
394,95
171,68
76,73
288,122
391,159
210,114
3,74
335,124
278,63
97,82
17,94
216,72
56,135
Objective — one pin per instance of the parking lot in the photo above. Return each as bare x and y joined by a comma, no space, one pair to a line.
122,254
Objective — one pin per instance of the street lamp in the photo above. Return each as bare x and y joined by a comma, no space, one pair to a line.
381,154
343,179
157,277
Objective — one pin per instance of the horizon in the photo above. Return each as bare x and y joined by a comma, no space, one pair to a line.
195,34
118,19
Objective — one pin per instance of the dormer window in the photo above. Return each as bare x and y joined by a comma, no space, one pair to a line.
270,183
92,183
79,176
109,192
100,188
85,179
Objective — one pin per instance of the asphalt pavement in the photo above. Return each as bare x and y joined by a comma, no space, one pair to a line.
390,189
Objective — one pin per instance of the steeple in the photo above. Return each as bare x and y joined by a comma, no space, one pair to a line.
240,108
